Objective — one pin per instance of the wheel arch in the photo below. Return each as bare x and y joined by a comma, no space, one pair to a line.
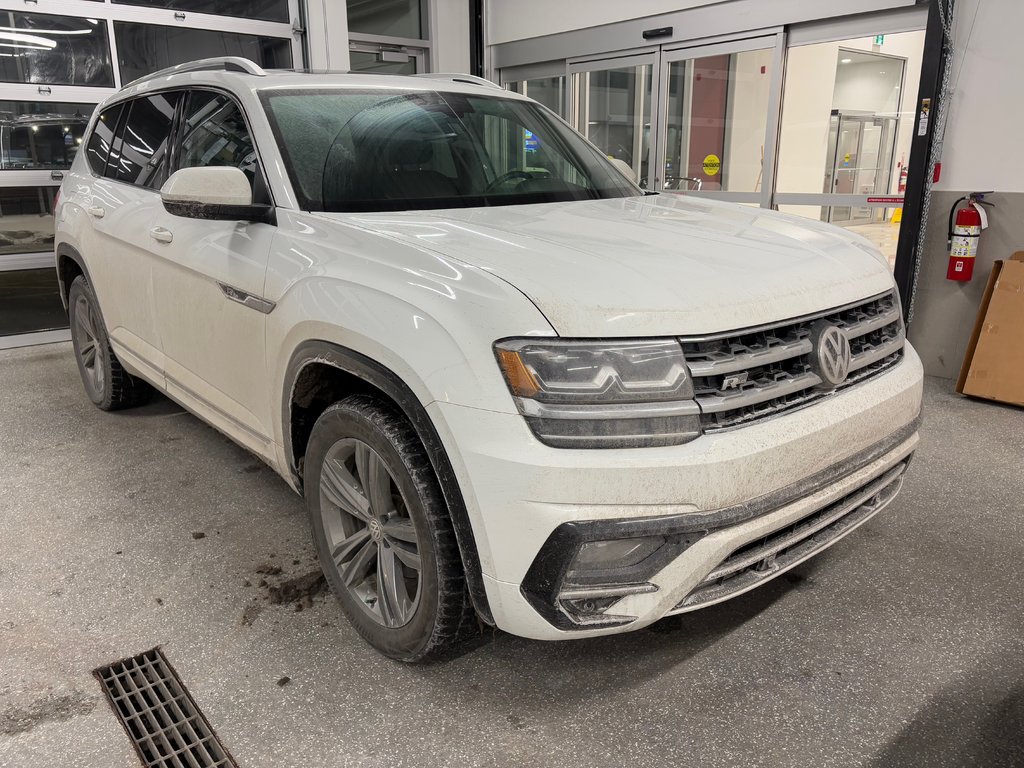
70,264
363,374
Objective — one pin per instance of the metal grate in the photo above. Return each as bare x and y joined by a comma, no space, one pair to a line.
159,714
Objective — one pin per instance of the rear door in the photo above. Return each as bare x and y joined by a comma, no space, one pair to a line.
130,149
203,272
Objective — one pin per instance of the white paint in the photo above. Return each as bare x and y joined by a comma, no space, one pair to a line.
982,147
518,19
449,24
427,293
211,185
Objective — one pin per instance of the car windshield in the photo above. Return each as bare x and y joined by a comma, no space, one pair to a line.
375,150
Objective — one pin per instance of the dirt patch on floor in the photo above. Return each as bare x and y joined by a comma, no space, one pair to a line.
50,707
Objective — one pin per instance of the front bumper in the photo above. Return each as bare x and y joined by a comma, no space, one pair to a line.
756,501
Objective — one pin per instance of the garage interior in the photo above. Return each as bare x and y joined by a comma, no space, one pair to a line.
902,645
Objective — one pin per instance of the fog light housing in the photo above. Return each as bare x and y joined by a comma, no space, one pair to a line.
611,561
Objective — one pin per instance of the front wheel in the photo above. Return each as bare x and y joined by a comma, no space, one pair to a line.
382,531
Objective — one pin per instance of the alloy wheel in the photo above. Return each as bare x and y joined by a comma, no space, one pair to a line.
371,536
90,348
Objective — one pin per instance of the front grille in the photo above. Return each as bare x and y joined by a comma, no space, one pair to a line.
765,558
746,376
165,725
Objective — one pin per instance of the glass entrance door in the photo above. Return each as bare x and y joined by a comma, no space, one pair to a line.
715,118
684,119
860,156
612,106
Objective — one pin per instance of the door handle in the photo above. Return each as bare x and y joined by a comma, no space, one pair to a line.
162,235
97,211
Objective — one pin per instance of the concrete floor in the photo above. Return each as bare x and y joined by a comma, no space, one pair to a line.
901,646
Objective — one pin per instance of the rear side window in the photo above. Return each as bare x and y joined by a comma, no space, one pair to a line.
102,138
141,147
215,133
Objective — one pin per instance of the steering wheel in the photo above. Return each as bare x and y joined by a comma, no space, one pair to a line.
517,174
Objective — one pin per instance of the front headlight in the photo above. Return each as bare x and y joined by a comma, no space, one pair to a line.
602,394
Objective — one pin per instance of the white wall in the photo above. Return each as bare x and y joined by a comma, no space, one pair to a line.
518,19
449,23
982,148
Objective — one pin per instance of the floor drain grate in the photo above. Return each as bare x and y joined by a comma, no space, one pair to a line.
159,714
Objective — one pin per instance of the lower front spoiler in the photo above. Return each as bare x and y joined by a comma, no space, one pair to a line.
728,561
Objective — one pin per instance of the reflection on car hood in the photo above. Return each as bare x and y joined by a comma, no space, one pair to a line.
650,266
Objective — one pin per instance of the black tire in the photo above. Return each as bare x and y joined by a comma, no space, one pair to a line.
435,624
107,383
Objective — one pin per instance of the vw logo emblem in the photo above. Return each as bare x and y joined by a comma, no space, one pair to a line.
831,354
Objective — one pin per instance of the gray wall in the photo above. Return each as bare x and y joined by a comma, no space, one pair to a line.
944,311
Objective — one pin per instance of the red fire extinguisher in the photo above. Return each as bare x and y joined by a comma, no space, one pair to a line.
963,235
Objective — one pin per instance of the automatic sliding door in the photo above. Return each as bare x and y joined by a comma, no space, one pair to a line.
714,118
612,107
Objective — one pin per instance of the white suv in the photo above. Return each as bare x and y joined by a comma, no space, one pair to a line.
507,381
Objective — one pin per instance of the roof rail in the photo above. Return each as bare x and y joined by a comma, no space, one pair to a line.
455,77
218,63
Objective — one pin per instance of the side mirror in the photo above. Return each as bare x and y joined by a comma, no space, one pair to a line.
213,192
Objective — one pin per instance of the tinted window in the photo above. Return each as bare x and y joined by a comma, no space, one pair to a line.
265,10
140,150
102,138
41,134
214,133
397,18
55,50
145,48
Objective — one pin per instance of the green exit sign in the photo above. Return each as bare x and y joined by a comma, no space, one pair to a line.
879,39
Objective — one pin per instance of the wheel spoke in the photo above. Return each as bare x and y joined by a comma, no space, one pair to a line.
391,591
89,354
409,556
400,528
375,479
341,489
348,547
360,565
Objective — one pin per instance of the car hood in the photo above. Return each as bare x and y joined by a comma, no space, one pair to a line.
649,266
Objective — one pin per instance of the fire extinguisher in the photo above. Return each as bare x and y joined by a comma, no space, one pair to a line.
963,235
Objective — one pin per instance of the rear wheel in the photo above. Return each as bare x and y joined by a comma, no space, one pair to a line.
382,532
107,383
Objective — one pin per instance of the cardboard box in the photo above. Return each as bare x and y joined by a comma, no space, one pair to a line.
994,364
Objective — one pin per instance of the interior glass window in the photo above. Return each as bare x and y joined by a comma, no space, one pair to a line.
141,147
215,133
264,10
26,219
101,140
395,18
55,50
41,134
145,48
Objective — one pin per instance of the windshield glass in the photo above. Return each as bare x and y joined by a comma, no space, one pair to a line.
381,151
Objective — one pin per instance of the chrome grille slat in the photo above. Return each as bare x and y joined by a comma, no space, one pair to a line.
754,396
873,355
890,316
741,362
748,375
